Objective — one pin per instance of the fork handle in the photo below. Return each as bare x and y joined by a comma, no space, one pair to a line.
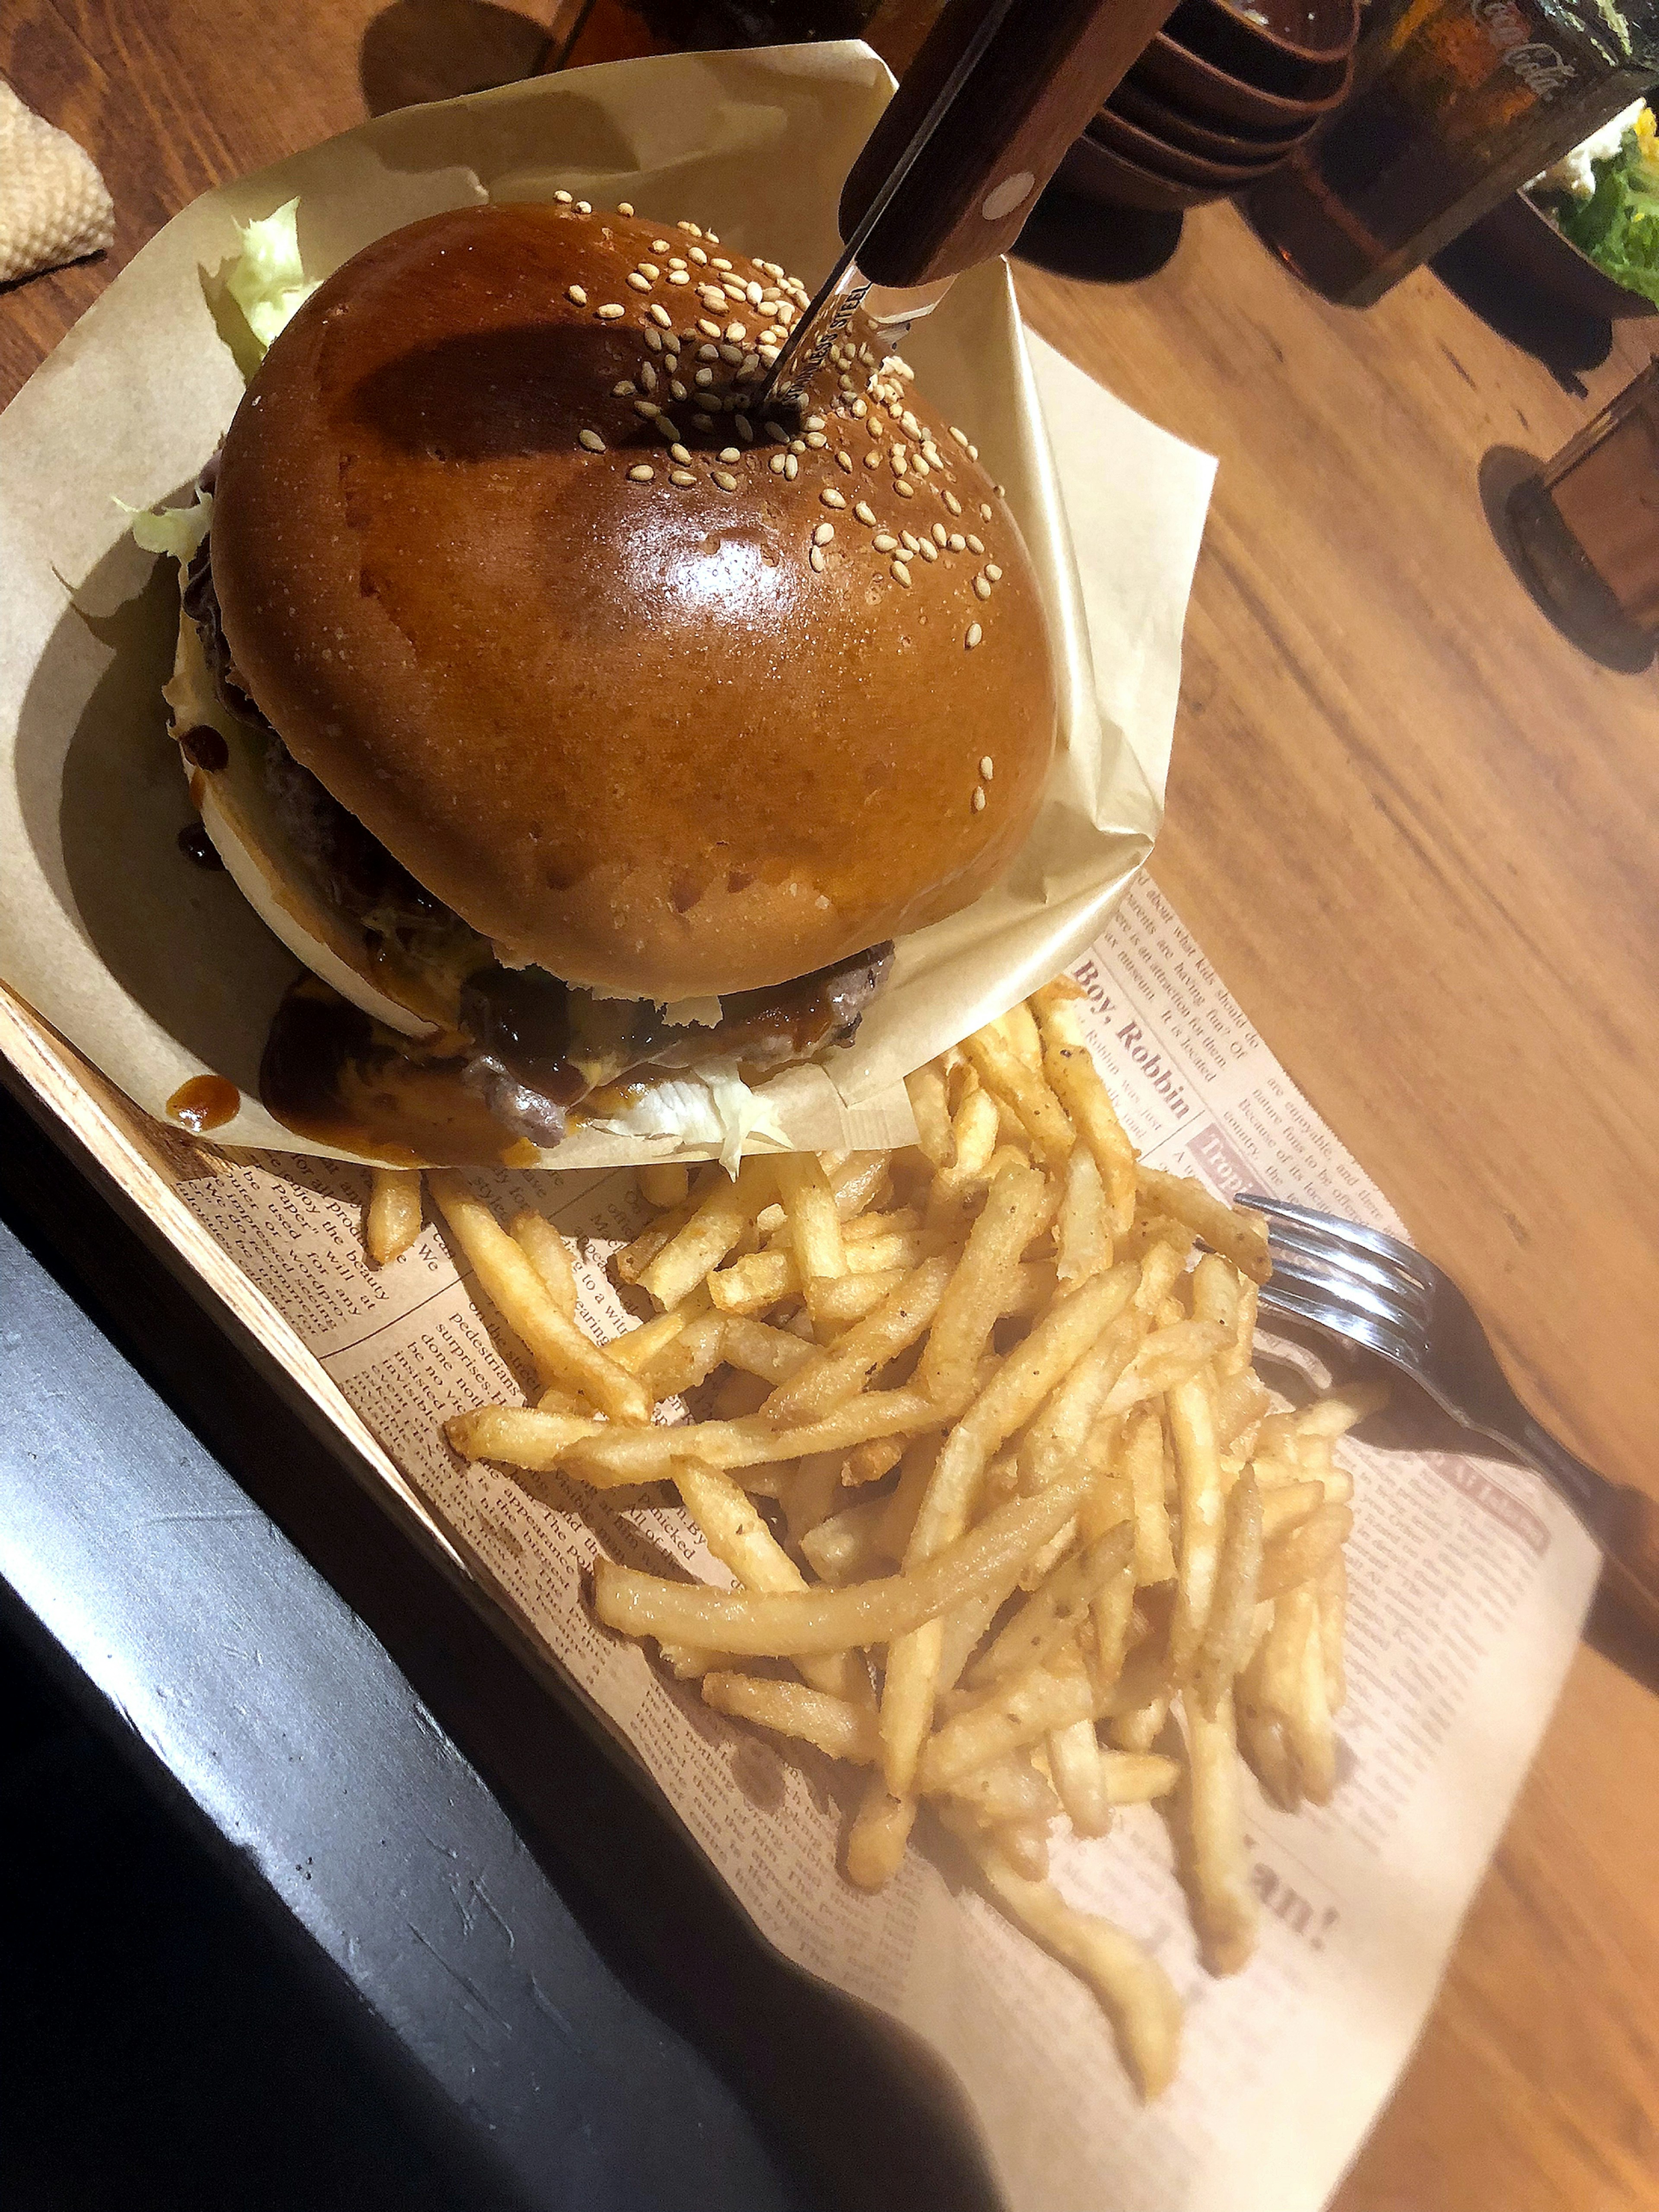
1624,1522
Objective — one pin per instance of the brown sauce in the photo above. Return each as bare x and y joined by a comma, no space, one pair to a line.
206,1101
331,1074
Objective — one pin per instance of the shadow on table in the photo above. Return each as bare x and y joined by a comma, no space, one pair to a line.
1503,469
1564,339
420,50
1075,237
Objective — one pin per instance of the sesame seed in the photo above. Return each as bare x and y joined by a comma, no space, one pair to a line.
719,260
650,269
591,440
815,558
697,255
791,467
730,353
659,246
956,542
844,461
676,388
660,316
900,574
975,545
681,454
737,332
577,294
726,480
884,542
941,536
987,768
984,511
927,549
702,421
609,312
640,474
904,490
730,453
706,352
647,376
911,424
703,376
751,365
777,430
648,408
817,439
691,229
623,391
666,429
831,497
865,513
744,429
975,634
623,207
752,292
815,423
584,207
982,589
860,409
563,198
682,476
920,466
972,455
678,276
911,541
900,465
979,799
952,502
993,572
961,436
733,292
824,533
797,445
653,338
776,464
873,460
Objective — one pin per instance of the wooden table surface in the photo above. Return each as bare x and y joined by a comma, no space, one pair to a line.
1415,831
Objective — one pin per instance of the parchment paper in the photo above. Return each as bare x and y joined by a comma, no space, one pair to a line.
157,971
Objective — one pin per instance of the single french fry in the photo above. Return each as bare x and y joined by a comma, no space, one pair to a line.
1006,1789
1167,1357
1225,1906
1073,1412
1234,1232
1307,1724
898,1513
1138,1729
1300,1554
925,1088
1083,1235
841,1730
1137,1994
1075,1761
1113,1611
1332,1621
563,1353
1002,1071
815,1236
1136,1777
1240,1400
1272,1690
1340,1409
1197,1472
690,1358
716,1224
666,1185
519,1435
869,1462
393,1220
875,1846
763,1279
808,1492
630,1263
1019,1026
1286,1504
1021,1710
635,1348
827,1379
547,1253
1215,1284
1025,1844
556,1399
788,1624
687,1663
979,1286
1054,1613
621,1455
755,1348
1229,1629
845,1547
843,1300
1143,1463
1161,1264
1075,1081
1236,1359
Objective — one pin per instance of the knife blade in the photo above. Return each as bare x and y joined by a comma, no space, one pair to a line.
983,117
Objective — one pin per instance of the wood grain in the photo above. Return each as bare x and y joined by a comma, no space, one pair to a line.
1416,833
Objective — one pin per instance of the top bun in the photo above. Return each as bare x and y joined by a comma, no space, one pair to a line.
603,693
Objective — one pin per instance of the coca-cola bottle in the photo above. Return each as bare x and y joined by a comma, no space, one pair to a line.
1455,103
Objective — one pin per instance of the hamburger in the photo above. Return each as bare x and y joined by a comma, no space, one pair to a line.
579,726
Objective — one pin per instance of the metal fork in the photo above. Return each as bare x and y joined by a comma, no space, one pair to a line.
1373,1290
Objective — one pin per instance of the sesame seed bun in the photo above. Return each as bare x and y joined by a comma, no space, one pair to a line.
666,721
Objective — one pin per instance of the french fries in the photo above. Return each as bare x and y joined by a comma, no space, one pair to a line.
393,1220
992,1472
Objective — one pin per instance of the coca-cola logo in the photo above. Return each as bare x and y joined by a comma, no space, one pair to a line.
1540,67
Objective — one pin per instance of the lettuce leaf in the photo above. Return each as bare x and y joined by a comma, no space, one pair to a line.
1618,226
175,530
267,282
714,1106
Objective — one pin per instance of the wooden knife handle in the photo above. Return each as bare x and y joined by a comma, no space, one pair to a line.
1045,72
